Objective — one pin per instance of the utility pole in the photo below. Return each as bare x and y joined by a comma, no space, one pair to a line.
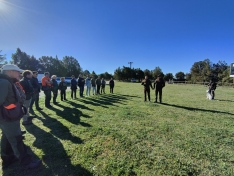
130,64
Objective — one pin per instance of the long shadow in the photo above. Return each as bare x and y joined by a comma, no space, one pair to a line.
55,156
58,129
225,100
106,100
71,114
196,109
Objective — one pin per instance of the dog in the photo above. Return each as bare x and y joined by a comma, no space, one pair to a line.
208,95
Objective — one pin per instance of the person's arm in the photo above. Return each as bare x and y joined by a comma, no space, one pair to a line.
4,91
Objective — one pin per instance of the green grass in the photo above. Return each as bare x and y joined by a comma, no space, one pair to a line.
120,134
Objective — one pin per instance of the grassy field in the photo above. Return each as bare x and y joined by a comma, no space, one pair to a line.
120,134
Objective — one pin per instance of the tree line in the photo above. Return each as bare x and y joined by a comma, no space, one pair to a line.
201,71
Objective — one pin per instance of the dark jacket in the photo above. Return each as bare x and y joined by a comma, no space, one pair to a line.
54,87
9,95
98,82
27,86
159,84
62,86
93,82
81,82
212,85
147,84
35,84
111,83
73,83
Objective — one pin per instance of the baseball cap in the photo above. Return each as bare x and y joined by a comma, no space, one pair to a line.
11,67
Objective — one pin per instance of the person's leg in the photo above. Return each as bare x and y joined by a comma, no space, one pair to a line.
75,93
160,95
104,89
26,104
37,101
156,94
89,90
148,92
72,90
64,95
145,94
12,135
61,94
32,101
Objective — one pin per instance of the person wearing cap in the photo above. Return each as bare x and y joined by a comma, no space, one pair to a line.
12,145
46,87
36,88
25,82
158,85
147,84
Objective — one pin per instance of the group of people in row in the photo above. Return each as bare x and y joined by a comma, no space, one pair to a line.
51,85
19,91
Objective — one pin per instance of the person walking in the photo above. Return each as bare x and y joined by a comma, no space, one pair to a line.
98,83
212,87
81,83
93,83
158,85
54,88
11,104
73,87
62,87
46,87
112,85
88,85
103,82
36,89
25,82
147,84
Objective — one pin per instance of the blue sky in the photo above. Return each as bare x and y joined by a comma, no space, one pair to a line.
106,34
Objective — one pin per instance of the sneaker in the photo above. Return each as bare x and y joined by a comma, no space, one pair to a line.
28,122
33,164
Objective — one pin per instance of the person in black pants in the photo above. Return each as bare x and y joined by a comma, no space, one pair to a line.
112,84
159,84
35,96
73,87
147,84
98,83
54,88
81,83
63,87
212,86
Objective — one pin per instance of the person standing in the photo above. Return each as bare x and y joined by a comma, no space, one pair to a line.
112,85
54,88
98,83
212,86
147,84
35,96
158,85
88,86
25,82
46,87
73,87
62,87
81,83
12,145
103,82
93,83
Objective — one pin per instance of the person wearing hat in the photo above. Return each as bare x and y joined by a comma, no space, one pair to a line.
147,84
12,145
158,85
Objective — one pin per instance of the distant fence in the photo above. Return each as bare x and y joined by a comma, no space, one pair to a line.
200,83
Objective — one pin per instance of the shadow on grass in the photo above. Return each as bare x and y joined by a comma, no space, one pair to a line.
54,155
224,100
105,100
58,129
196,109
